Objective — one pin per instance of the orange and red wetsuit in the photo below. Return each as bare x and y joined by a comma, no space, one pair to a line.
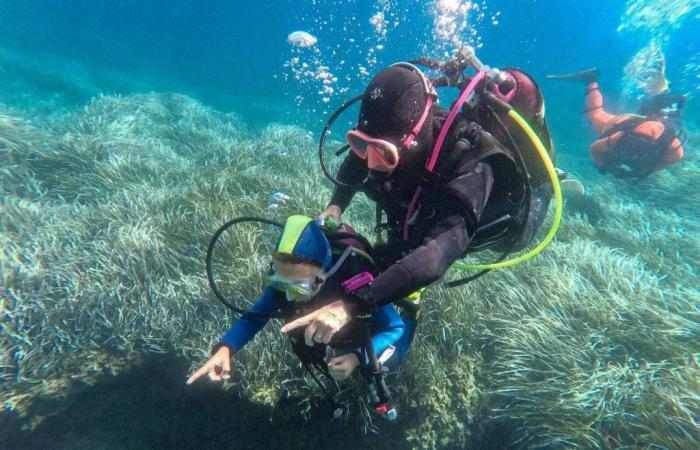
649,128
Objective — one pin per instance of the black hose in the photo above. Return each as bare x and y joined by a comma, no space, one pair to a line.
322,143
469,279
210,273
377,375
343,149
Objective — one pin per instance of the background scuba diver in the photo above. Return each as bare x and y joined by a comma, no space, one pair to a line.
477,197
304,275
630,145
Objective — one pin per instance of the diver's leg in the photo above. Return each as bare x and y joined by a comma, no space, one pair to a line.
599,118
410,314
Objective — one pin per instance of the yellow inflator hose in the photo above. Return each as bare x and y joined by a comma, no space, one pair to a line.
549,166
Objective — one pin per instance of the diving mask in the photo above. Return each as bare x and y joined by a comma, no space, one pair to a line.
379,153
673,110
298,288
304,287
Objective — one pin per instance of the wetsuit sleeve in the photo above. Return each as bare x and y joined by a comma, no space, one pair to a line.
388,328
454,229
247,327
353,170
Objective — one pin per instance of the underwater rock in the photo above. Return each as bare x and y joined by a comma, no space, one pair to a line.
301,39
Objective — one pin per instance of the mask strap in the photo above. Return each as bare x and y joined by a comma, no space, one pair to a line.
430,92
414,132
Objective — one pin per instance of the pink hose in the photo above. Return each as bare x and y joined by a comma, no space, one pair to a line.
448,123
441,138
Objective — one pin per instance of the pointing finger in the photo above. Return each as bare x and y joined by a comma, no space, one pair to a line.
298,323
327,337
202,370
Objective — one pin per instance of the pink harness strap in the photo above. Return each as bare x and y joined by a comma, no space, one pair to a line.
438,144
451,117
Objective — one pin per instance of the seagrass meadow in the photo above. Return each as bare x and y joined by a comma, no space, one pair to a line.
106,212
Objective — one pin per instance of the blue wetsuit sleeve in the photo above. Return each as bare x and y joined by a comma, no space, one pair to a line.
388,328
247,327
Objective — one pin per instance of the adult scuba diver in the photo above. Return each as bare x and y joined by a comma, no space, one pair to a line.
632,145
312,265
449,182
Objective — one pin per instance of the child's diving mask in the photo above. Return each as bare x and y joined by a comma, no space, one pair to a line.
305,287
302,288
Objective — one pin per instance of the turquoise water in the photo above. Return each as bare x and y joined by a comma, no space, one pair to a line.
130,130
232,56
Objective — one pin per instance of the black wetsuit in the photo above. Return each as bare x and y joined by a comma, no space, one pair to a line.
473,189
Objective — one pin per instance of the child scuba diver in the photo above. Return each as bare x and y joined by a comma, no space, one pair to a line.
304,276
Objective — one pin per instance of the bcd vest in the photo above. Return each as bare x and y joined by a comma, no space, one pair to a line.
635,155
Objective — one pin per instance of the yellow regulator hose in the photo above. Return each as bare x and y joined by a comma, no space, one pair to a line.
557,198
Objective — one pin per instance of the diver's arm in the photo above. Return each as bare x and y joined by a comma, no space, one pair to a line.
424,265
389,328
458,212
218,367
352,171
672,155
446,242
247,327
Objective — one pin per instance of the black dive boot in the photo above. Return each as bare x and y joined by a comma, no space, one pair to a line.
587,76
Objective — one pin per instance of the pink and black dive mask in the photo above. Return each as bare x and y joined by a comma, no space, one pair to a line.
382,154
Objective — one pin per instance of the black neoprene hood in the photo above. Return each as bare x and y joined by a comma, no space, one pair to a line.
393,102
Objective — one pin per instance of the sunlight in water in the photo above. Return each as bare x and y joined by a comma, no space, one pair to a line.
655,21
658,17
